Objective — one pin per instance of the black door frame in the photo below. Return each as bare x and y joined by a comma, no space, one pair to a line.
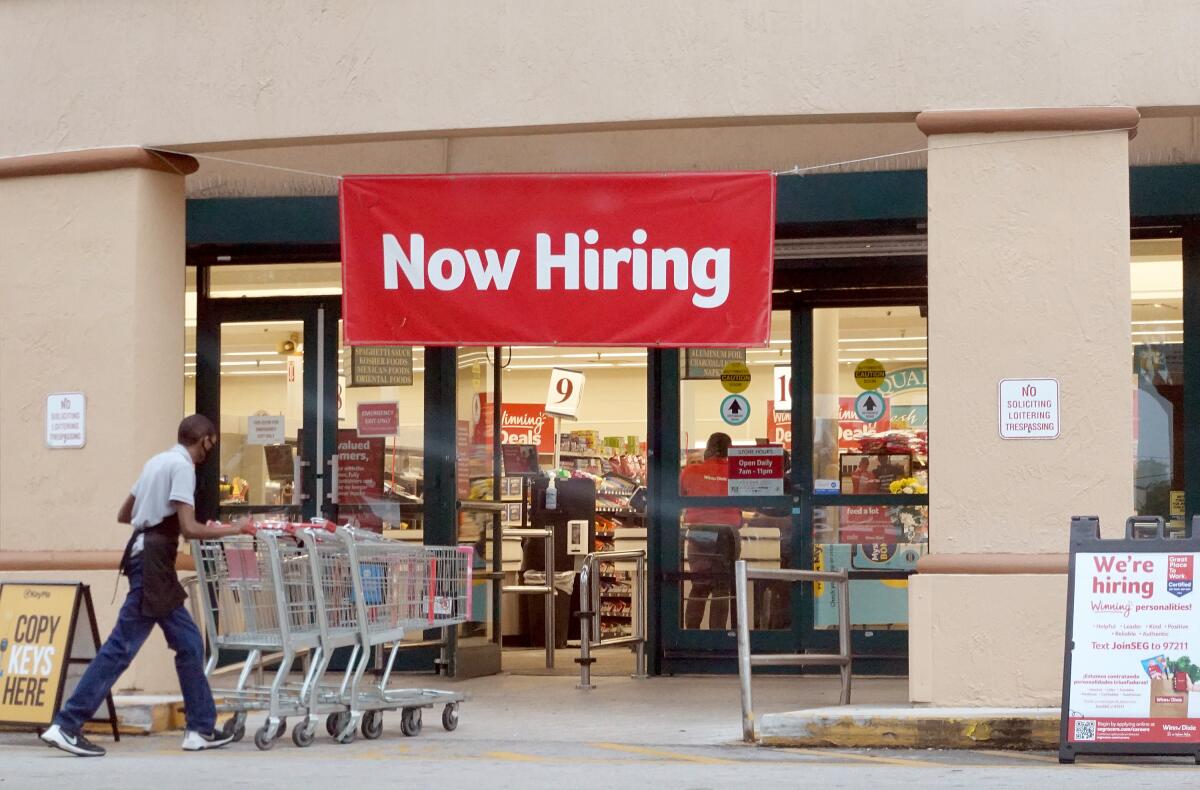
675,650
320,315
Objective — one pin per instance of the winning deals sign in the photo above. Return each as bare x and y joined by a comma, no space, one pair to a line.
644,259
1133,634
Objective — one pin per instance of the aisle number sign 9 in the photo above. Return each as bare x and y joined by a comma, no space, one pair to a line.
566,389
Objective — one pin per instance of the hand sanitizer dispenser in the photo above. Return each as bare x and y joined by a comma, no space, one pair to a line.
577,536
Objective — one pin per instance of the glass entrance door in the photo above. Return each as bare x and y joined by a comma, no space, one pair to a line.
267,375
865,476
840,399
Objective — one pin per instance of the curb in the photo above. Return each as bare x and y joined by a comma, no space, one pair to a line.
914,728
143,716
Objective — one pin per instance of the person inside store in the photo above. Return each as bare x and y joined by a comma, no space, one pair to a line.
160,508
865,481
772,599
711,536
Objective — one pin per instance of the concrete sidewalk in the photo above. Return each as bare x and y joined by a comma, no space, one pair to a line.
697,709
789,711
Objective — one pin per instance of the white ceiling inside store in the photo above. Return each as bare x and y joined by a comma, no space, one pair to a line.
888,334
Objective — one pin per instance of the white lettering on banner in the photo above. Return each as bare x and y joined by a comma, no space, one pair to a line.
493,273
709,267
706,271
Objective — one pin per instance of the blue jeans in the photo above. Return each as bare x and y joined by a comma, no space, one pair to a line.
123,644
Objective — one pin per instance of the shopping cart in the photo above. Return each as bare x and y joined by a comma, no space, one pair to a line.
257,596
306,590
396,588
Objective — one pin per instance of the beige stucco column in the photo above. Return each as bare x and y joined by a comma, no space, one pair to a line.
92,260
1028,279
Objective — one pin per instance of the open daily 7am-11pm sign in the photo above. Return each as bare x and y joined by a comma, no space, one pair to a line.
1133,630
643,259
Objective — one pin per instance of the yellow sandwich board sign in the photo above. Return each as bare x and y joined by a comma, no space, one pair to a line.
46,628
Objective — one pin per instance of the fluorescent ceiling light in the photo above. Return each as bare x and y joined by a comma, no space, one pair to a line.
850,247
572,365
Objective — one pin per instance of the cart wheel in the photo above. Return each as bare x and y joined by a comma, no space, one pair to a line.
372,725
303,734
261,739
450,717
331,724
410,721
282,728
235,726
347,738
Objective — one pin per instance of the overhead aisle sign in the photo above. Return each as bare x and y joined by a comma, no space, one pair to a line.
634,259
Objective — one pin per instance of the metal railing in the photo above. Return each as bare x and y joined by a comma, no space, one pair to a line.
546,589
746,660
590,636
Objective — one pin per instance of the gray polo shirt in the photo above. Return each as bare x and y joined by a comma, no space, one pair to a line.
166,479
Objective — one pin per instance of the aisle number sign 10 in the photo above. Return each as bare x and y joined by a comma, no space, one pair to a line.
782,387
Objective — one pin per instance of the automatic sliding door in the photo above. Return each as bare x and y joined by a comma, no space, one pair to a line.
870,467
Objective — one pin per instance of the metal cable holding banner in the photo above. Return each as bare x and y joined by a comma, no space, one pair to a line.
796,170
799,171
226,160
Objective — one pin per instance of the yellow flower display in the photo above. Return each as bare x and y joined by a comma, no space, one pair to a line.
907,485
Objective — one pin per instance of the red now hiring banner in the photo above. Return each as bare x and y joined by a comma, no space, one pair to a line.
643,259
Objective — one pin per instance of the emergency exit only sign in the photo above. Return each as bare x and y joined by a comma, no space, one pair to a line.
1029,409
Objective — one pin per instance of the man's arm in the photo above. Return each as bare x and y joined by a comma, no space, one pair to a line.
125,514
194,530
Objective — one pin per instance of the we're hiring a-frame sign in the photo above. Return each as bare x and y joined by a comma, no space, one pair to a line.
1129,683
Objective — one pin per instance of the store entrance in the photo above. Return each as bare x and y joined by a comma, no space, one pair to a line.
839,403
595,453
268,367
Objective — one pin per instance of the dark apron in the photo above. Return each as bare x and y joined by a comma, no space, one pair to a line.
161,591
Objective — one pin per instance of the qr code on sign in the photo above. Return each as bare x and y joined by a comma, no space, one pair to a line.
1085,729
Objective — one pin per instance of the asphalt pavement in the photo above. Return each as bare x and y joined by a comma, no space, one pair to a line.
541,732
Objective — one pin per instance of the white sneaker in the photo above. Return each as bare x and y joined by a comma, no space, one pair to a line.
194,741
75,744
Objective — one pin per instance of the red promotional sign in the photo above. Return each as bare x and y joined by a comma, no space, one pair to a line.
527,423
643,259
779,425
756,471
378,419
866,524
360,468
